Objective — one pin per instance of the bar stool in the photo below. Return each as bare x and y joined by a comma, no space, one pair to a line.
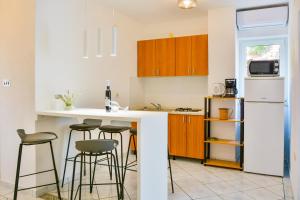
88,125
96,148
35,139
133,133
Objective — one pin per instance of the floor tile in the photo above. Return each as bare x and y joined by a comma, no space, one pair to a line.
236,196
5,189
262,194
243,184
211,198
277,189
178,194
194,188
263,180
223,187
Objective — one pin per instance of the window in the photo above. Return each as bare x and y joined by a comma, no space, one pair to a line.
263,49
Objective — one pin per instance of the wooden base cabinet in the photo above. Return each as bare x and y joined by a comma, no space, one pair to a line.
133,125
186,136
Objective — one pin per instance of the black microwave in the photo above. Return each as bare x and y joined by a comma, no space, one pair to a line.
263,68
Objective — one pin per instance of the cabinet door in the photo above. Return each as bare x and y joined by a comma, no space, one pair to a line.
133,125
146,58
200,55
183,56
195,136
177,135
165,57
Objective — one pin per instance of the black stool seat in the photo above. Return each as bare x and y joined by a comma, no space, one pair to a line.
133,131
36,138
83,127
87,125
96,146
114,129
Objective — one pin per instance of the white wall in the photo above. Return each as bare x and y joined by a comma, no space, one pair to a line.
177,28
222,65
59,51
295,95
174,92
17,101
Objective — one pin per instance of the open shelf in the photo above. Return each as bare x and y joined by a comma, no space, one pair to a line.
225,98
223,163
225,142
221,120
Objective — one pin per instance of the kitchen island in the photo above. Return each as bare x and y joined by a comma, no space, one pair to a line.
152,153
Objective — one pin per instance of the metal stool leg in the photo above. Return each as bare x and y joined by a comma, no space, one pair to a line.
119,175
82,156
126,161
73,176
108,162
18,172
170,170
84,173
55,171
116,175
90,163
135,149
66,159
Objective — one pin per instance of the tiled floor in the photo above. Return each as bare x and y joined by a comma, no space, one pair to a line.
191,181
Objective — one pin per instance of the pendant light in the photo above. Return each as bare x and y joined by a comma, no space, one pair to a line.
85,32
114,36
187,4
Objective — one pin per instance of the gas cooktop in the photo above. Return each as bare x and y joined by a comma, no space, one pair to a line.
187,110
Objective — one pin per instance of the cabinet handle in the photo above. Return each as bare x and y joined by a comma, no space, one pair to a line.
193,71
183,119
189,119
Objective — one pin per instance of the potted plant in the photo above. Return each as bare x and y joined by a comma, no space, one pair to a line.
67,99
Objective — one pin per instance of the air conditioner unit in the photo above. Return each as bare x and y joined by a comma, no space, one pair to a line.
262,17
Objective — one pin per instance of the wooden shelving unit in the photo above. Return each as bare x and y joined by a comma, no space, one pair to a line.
225,142
220,120
208,141
223,163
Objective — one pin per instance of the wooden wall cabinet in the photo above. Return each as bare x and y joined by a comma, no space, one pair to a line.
186,136
183,56
146,58
180,56
200,55
165,57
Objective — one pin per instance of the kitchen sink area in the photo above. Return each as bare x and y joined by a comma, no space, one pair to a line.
180,110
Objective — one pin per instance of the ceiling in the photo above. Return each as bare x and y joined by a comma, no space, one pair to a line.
154,11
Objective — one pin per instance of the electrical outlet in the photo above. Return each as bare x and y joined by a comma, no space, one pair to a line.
6,83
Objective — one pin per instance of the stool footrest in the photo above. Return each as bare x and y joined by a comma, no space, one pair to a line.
36,173
36,186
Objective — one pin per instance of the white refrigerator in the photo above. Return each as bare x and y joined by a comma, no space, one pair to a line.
264,125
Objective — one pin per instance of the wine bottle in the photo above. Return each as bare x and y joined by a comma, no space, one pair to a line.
108,97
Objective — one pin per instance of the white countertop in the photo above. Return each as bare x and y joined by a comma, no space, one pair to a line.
129,115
